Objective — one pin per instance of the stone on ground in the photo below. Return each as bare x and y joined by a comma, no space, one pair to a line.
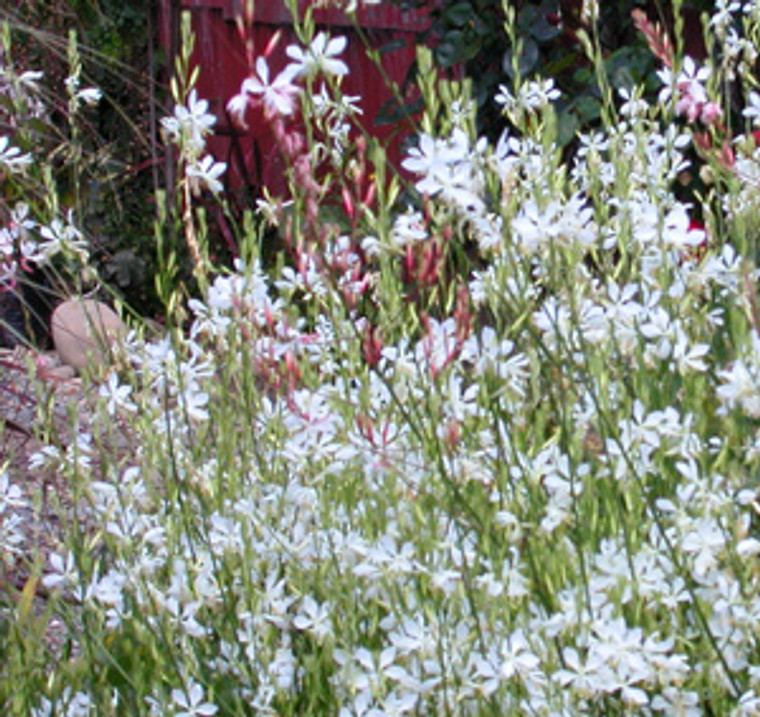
83,332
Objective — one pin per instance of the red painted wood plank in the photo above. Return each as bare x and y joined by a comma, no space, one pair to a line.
220,56
274,12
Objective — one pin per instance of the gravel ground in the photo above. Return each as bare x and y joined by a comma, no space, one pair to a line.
31,385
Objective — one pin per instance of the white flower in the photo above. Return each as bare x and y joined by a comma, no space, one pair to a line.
237,107
10,495
320,57
532,95
428,156
11,157
752,110
409,228
190,125
60,238
29,80
206,173
588,677
314,618
692,101
704,542
190,702
741,382
117,395
194,401
278,95
63,572
723,14
89,95
633,105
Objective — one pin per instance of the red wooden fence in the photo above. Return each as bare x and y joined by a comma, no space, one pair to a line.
220,55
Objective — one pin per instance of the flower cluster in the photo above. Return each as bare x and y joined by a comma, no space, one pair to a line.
188,129
278,95
33,229
359,486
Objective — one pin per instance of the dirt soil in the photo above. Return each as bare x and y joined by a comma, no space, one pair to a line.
34,386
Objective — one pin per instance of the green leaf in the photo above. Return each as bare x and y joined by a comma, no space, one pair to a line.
567,127
460,14
542,30
587,108
629,66
527,61
447,55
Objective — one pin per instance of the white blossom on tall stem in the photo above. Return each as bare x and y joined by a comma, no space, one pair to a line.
189,126
277,95
319,58
691,96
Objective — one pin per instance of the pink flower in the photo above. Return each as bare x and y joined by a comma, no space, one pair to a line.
711,113
277,96
692,101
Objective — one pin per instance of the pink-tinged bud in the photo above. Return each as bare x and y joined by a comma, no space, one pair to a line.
24,265
312,211
369,195
348,204
357,174
366,429
656,36
702,140
431,265
272,44
372,346
727,155
452,433
463,314
288,234
292,370
410,266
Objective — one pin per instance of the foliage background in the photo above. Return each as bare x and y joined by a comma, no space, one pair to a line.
120,166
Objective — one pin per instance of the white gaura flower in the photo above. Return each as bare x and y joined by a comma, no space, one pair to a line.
206,173
63,571
633,105
752,110
704,542
237,108
678,231
531,96
60,238
89,95
409,228
190,125
319,57
429,156
194,401
588,677
277,95
314,618
10,495
189,702
116,395
11,158
740,387
29,80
